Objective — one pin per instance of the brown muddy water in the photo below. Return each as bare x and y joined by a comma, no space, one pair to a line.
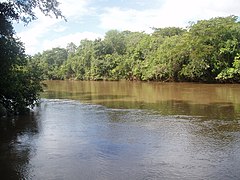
125,130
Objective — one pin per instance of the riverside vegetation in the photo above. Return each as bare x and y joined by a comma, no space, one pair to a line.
206,51
20,80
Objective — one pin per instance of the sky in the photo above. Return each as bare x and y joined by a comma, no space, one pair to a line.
91,19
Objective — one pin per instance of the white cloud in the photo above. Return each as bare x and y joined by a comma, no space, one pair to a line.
32,34
36,31
75,38
133,20
84,14
199,9
171,13
74,8
60,28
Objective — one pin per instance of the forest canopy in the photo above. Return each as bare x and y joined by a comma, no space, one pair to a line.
206,51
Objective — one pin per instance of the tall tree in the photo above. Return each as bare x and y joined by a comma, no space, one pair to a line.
20,83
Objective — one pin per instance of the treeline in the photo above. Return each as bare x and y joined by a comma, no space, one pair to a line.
206,51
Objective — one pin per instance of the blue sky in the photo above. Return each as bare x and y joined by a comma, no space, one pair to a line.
91,19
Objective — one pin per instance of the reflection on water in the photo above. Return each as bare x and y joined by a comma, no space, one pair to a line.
16,137
213,101
125,130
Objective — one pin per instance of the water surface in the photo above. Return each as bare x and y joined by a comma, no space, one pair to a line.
125,130
220,101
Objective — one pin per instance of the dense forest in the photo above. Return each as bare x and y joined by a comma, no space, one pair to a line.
206,51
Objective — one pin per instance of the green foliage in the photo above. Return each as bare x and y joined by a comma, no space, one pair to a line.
231,74
20,76
19,82
51,62
168,32
24,10
213,44
208,51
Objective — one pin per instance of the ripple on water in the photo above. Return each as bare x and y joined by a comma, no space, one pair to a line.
77,140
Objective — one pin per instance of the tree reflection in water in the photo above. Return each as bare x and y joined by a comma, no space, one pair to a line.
16,148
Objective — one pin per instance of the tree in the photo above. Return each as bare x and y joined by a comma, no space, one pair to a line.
71,48
231,74
168,31
23,10
53,60
114,42
213,46
19,86
20,80
208,51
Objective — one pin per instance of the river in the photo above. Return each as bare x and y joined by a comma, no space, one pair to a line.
125,130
